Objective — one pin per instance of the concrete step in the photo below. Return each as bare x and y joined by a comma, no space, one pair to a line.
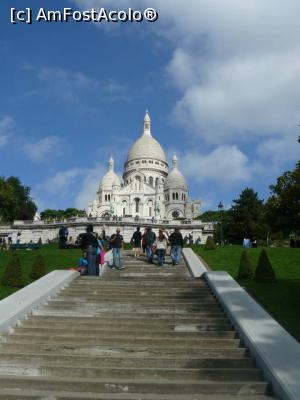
133,318
137,293
132,386
99,333
94,361
127,326
95,333
95,282
122,351
122,341
14,394
96,299
163,374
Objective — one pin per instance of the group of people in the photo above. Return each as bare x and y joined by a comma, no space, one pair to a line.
93,247
152,244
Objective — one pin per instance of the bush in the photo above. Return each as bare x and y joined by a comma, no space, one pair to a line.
210,244
13,274
245,269
264,270
38,268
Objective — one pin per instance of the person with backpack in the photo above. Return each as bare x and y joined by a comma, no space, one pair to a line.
117,242
136,240
176,241
89,243
150,238
161,247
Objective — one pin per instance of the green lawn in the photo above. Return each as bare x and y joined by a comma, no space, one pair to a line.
281,299
54,259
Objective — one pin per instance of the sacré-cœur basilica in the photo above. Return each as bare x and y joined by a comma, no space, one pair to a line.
149,188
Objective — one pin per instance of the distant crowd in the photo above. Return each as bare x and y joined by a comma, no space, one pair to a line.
95,246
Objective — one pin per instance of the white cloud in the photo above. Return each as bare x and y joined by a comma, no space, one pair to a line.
236,65
45,149
5,130
224,166
75,187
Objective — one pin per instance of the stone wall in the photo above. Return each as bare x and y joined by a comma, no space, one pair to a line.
33,230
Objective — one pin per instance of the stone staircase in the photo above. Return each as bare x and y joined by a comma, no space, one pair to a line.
145,333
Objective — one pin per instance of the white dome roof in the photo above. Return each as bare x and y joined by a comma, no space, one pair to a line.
111,178
146,146
175,179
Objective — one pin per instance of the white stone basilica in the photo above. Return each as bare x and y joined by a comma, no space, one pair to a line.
148,190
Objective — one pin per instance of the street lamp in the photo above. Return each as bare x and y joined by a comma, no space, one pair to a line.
221,208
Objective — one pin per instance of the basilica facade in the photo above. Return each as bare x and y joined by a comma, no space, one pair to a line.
148,190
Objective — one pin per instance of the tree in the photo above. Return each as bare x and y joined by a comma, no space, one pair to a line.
245,268
50,214
245,218
13,274
38,268
210,243
210,216
8,202
282,210
264,271
15,200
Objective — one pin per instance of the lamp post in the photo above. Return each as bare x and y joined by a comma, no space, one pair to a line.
220,209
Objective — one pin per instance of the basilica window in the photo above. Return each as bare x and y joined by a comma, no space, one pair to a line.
175,214
137,205
173,196
156,162
151,180
176,196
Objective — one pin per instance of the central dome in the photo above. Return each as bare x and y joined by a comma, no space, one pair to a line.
146,146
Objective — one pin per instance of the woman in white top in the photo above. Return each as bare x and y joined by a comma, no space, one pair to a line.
161,247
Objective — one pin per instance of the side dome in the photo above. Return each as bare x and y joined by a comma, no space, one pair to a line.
146,146
175,179
110,178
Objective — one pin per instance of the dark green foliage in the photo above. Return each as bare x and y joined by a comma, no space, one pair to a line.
13,274
49,214
245,268
264,271
15,200
38,268
282,210
210,244
245,218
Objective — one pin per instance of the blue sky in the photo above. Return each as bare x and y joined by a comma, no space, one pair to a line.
220,79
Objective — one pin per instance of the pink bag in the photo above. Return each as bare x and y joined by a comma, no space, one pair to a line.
102,255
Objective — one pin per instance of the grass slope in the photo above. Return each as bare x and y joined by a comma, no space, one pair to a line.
54,259
280,299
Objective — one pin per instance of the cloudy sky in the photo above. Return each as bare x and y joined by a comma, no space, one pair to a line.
221,80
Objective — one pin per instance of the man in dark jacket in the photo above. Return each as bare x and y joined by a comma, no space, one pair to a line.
117,242
150,238
136,241
89,243
176,241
